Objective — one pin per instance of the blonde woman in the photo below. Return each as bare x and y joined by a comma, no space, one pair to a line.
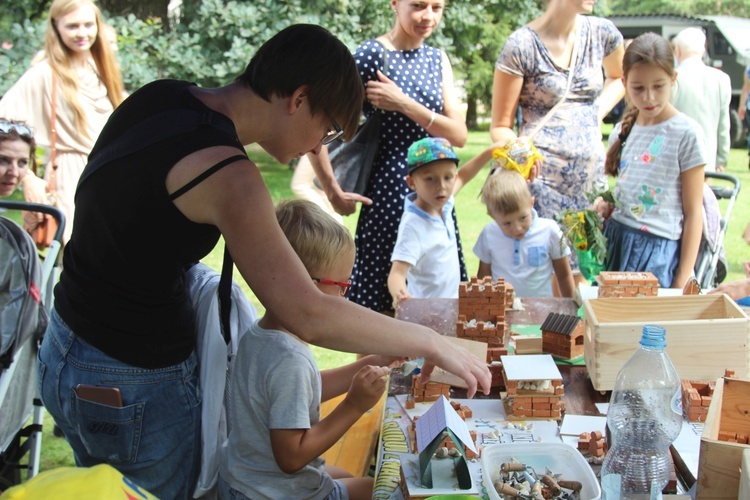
79,81
412,83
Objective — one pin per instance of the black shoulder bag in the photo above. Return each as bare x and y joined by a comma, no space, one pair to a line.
352,161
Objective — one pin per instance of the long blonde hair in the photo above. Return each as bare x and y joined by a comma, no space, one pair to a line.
59,58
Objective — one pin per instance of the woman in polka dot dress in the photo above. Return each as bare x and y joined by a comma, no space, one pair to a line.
412,83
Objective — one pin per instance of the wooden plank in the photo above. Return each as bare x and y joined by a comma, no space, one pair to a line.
354,451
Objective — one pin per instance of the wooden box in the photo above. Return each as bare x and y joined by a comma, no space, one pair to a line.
719,463
706,334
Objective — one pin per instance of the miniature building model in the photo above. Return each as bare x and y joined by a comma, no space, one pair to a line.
481,310
432,429
431,391
562,336
529,398
627,284
696,398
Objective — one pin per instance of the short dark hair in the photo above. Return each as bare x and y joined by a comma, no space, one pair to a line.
306,54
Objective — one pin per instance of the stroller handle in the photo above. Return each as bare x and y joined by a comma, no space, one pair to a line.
726,192
38,207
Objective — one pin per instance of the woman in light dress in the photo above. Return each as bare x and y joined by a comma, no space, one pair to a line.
80,72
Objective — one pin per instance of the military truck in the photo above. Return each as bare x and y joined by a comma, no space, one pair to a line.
727,48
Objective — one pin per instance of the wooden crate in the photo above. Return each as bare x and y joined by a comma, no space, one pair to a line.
719,463
706,334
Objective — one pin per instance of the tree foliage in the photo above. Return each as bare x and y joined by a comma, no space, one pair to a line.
211,41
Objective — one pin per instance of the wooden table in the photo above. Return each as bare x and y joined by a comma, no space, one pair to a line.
580,396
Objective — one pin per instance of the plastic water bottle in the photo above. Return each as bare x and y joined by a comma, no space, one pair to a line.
644,417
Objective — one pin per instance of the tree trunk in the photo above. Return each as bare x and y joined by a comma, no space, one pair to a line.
142,9
471,112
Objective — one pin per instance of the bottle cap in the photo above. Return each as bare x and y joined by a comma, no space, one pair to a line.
654,337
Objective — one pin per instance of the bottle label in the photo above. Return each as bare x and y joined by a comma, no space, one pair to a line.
676,403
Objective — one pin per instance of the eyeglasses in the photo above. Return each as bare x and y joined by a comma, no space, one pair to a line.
344,286
332,135
21,129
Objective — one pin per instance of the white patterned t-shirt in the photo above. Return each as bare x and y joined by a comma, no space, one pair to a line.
649,189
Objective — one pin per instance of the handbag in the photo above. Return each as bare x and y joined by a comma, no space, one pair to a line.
43,233
352,161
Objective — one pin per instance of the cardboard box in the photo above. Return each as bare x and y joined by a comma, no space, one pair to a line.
706,334
720,461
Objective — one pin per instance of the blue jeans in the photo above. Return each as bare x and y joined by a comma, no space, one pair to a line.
154,438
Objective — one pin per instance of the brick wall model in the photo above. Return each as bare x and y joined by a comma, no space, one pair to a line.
627,284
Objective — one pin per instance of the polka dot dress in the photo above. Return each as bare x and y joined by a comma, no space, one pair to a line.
418,73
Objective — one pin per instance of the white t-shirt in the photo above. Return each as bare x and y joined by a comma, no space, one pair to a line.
275,385
526,263
428,245
649,189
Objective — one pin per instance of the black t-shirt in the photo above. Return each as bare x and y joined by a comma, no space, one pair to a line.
122,289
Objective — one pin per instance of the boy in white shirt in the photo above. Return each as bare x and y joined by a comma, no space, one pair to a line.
518,245
424,262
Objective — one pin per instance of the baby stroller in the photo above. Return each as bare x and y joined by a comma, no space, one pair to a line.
25,301
711,265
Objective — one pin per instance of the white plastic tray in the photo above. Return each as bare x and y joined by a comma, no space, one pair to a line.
559,457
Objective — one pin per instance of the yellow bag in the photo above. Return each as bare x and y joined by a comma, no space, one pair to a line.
519,155
101,482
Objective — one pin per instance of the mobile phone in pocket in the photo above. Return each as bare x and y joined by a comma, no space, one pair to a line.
102,395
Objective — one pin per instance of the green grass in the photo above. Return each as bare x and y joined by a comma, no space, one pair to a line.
471,218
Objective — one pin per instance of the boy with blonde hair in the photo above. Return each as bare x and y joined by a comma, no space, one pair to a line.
424,262
274,448
518,245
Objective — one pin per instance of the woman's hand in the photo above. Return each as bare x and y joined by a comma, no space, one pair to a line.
383,93
34,191
460,362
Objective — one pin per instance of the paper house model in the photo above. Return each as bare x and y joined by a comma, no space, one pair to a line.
627,284
562,336
440,422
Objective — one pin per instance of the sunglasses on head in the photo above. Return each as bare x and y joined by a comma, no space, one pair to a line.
20,129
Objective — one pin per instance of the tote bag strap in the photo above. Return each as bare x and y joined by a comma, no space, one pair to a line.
52,183
571,70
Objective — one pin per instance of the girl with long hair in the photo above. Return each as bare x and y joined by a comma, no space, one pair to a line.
67,97
658,157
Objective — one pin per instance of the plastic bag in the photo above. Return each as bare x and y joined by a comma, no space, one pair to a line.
102,482
519,155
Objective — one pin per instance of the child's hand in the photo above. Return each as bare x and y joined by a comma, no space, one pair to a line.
399,297
603,208
367,387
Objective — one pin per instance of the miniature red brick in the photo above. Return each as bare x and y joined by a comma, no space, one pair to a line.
409,404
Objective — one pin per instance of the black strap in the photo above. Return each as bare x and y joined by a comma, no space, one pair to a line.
190,185
225,295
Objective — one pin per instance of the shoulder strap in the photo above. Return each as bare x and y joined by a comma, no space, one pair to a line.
571,70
